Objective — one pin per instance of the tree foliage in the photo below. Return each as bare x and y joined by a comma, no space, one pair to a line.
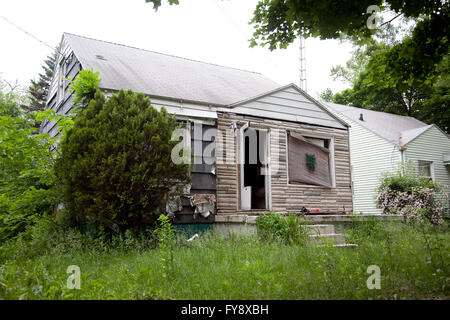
157,3
405,65
12,102
279,23
372,88
39,89
84,87
115,166
27,181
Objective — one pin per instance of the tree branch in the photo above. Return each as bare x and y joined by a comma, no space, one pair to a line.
390,20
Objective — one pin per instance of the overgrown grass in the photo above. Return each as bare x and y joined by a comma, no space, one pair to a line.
413,261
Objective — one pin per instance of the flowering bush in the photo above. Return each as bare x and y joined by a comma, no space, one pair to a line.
419,204
412,196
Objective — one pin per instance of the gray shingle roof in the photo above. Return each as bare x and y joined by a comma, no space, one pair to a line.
161,75
397,129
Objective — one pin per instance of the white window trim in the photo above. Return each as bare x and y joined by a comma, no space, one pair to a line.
332,159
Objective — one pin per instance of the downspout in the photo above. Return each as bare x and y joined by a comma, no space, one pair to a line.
240,182
402,153
244,126
403,159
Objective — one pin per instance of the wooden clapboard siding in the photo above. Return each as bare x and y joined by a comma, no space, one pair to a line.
226,172
285,197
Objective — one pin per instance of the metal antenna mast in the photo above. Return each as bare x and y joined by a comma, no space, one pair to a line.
302,64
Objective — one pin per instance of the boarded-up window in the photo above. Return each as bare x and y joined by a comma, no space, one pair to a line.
308,162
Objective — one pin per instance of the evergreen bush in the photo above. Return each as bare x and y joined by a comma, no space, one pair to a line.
115,166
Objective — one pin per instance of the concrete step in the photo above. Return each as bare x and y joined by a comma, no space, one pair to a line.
342,245
318,229
333,238
346,245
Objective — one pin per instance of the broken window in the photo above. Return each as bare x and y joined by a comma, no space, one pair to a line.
199,198
309,160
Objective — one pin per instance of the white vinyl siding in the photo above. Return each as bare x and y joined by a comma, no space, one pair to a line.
431,146
370,156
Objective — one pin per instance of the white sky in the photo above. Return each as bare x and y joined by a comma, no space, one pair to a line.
207,30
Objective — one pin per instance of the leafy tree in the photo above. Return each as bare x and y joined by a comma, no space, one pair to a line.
403,71
39,89
327,95
27,181
11,102
436,107
115,166
372,88
408,63
279,23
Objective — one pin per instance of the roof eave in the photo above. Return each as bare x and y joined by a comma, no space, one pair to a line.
176,99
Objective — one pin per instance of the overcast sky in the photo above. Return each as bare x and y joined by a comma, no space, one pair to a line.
212,31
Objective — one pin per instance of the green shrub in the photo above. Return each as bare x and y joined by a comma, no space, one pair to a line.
405,180
84,87
286,229
115,166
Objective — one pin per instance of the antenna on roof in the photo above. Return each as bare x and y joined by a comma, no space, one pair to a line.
302,64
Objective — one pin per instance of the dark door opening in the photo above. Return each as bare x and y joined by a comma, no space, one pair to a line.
255,166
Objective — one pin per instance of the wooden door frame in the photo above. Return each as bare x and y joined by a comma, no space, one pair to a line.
240,156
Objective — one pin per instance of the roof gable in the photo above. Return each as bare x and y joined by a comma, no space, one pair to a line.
289,103
166,76
410,136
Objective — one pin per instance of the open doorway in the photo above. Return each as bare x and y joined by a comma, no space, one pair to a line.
254,169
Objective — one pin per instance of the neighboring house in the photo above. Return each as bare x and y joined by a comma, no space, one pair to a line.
303,158
381,142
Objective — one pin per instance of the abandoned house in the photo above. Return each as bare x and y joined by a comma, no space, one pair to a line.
257,146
